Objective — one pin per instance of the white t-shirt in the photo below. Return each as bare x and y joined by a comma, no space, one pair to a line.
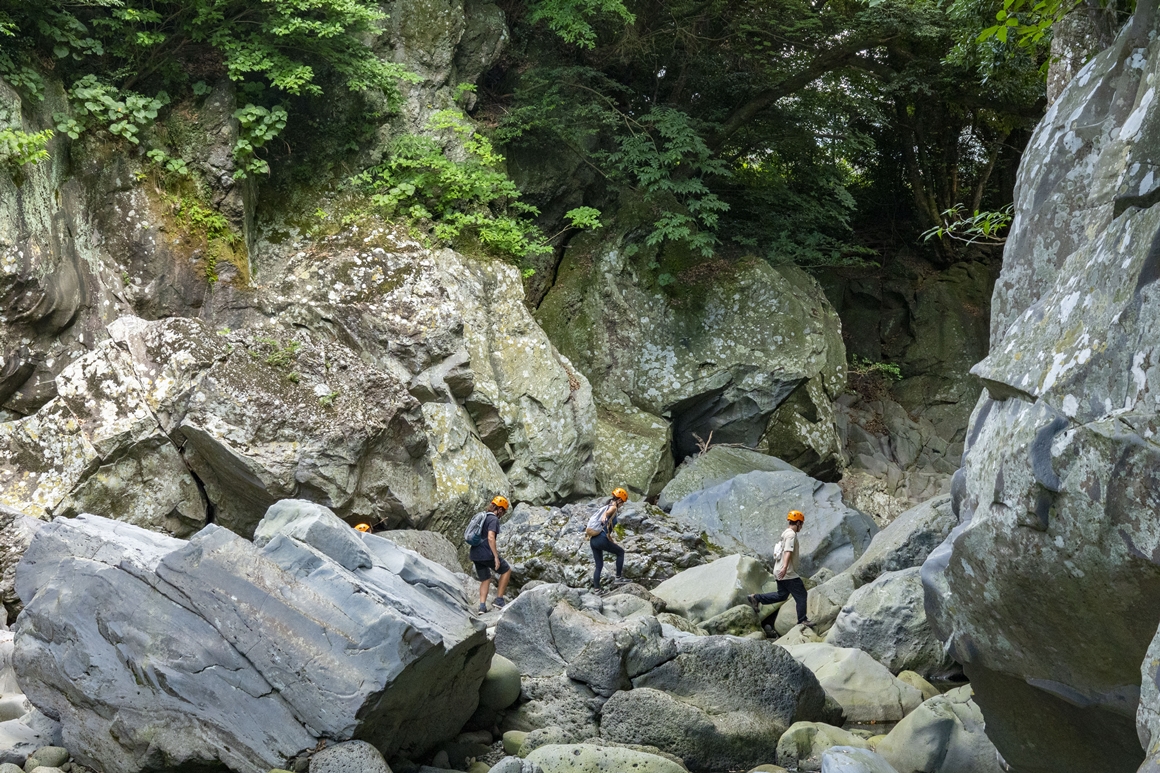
789,542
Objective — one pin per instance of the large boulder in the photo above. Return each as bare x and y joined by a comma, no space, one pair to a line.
713,467
710,590
217,651
590,758
721,704
1057,493
718,352
549,543
906,541
863,687
747,514
802,746
574,650
851,759
946,734
887,620
634,449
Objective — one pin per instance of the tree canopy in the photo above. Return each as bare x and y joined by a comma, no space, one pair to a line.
805,131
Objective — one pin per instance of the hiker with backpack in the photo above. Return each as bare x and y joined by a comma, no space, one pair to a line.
789,582
599,533
480,534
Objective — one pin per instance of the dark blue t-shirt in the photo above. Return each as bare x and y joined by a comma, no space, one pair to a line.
482,551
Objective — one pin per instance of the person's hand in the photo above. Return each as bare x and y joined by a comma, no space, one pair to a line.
780,574
497,563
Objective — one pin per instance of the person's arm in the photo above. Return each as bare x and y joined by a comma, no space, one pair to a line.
609,514
494,549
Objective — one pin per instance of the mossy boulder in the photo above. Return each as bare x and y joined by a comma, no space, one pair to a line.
715,348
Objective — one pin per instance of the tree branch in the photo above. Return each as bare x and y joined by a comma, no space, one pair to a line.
821,64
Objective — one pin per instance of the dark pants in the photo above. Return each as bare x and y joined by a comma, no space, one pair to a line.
601,545
786,588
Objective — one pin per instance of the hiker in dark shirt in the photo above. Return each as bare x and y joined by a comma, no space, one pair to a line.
486,558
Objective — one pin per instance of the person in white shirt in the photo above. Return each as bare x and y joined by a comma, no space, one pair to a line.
789,582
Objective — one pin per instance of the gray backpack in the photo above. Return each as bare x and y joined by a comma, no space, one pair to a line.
473,534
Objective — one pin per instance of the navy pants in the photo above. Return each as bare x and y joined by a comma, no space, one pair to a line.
600,545
786,588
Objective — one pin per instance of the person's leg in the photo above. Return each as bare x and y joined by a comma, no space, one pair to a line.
483,574
798,589
598,557
773,598
505,574
619,551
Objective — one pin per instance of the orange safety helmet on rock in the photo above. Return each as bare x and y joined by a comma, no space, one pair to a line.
363,527
620,494
501,502
795,516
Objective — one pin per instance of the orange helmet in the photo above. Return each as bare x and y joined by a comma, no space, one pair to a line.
501,501
363,527
795,516
620,494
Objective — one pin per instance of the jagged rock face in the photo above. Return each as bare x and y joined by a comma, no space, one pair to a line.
721,359
405,386
219,652
1059,531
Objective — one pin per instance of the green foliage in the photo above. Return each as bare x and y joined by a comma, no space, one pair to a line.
863,367
981,227
19,147
108,50
454,198
121,113
1028,20
572,19
258,126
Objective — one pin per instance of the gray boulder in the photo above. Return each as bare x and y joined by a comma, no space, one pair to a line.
19,738
515,765
887,620
589,758
349,757
430,544
1056,496
946,734
802,745
747,514
549,544
758,339
706,591
721,704
195,665
712,468
848,759
906,541
863,687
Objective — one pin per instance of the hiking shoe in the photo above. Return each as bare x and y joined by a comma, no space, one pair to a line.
482,608
807,623
753,602
499,603
620,581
